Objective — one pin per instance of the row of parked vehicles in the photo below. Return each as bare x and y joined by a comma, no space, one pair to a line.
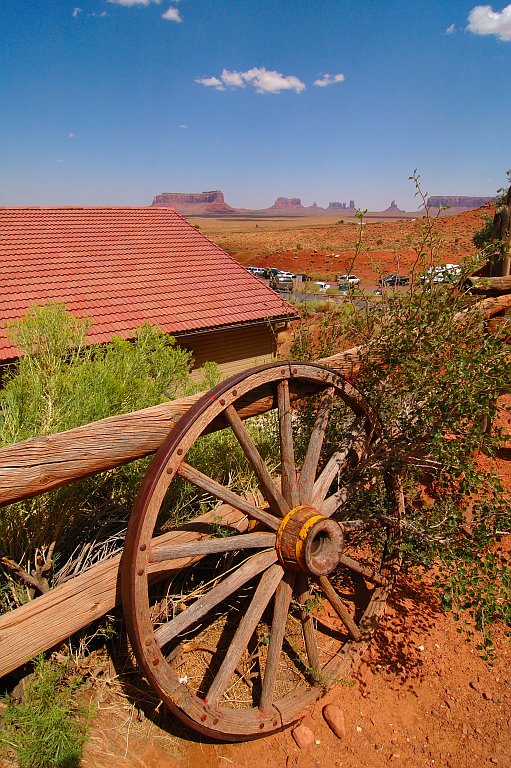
283,281
441,273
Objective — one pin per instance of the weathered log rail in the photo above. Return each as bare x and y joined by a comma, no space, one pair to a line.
41,464
490,286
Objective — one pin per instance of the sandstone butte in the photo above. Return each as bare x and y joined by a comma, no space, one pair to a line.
213,202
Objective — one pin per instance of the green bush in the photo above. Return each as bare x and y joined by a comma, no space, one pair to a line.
60,383
484,236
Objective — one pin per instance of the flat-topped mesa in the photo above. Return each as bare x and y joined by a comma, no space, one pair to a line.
287,203
459,201
192,201
336,206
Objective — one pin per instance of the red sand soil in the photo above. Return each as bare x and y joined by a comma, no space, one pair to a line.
422,696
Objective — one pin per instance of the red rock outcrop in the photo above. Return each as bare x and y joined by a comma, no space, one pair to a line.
336,206
286,204
393,208
459,201
193,202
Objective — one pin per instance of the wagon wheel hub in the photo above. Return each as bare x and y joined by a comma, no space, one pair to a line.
310,542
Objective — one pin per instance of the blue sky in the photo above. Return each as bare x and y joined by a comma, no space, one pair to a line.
110,102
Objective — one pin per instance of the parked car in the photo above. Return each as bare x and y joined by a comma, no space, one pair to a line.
348,281
257,271
393,279
281,283
443,273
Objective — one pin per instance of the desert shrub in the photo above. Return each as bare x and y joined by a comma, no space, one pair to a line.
433,372
484,236
59,383
329,332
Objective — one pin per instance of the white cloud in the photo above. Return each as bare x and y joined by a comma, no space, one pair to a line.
134,2
262,79
172,14
75,12
327,79
232,79
483,20
269,81
71,135
211,82
183,125
451,29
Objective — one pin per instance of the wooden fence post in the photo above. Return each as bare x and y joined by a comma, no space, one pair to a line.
500,260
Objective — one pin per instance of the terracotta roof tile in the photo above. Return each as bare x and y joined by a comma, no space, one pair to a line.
123,267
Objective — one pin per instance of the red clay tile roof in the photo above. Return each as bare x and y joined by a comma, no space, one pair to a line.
124,267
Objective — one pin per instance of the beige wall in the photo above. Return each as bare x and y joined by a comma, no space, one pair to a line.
234,349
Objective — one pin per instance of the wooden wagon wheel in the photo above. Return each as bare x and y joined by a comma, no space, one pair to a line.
254,626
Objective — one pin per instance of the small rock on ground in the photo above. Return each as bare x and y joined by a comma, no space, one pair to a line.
335,719
303,736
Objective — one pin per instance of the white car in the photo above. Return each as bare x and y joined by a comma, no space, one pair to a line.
257,271
281,283
348,281
443,273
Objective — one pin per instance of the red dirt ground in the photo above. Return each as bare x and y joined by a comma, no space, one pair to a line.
422,695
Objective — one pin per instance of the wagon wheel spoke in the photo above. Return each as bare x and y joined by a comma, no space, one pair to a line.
355,442
309,635
225,494
368,573
250,568
340,497
278,505
351,526
265,589
339,607
192,549
283,597
288,467
310,463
